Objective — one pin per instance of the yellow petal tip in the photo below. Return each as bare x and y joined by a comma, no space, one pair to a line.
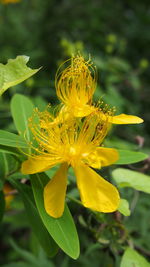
55,191
126,119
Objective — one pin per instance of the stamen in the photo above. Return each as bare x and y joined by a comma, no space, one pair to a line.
65,140
77,82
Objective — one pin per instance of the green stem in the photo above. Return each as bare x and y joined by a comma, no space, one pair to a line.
75,200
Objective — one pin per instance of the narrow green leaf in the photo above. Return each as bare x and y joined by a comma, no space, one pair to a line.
26,255
12,140
4,168
128,178
14,72
124,207
37,260
9,150
37,225
2,205
132,258
63,229
22,110
8,165
129,157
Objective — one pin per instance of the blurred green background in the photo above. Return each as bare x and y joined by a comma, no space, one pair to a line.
116,35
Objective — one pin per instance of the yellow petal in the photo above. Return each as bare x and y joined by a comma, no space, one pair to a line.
55,191
34,165
96,193
102,157
82,110
107,156
93,160
125,119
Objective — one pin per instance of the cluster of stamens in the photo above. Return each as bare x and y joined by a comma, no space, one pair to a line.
76,82
62,137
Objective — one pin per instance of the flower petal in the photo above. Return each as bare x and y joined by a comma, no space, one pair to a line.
96,193
78,110
34,165
55,191
102,157
82,110
125,119
93,160
107,156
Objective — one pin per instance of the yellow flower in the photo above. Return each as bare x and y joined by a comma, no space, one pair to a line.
75,142
9,1
75,86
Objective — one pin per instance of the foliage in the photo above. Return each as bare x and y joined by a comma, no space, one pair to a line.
14,72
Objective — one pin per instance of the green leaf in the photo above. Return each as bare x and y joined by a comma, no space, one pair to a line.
128,157
119,143
14,72
124,207
4,169
37,260
128,178
12,140
132,258
7,165
37,225
26,255
39,102
2,205
22,110
9,150
63,229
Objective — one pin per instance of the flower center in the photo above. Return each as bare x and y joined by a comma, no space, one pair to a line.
73,155
72,151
